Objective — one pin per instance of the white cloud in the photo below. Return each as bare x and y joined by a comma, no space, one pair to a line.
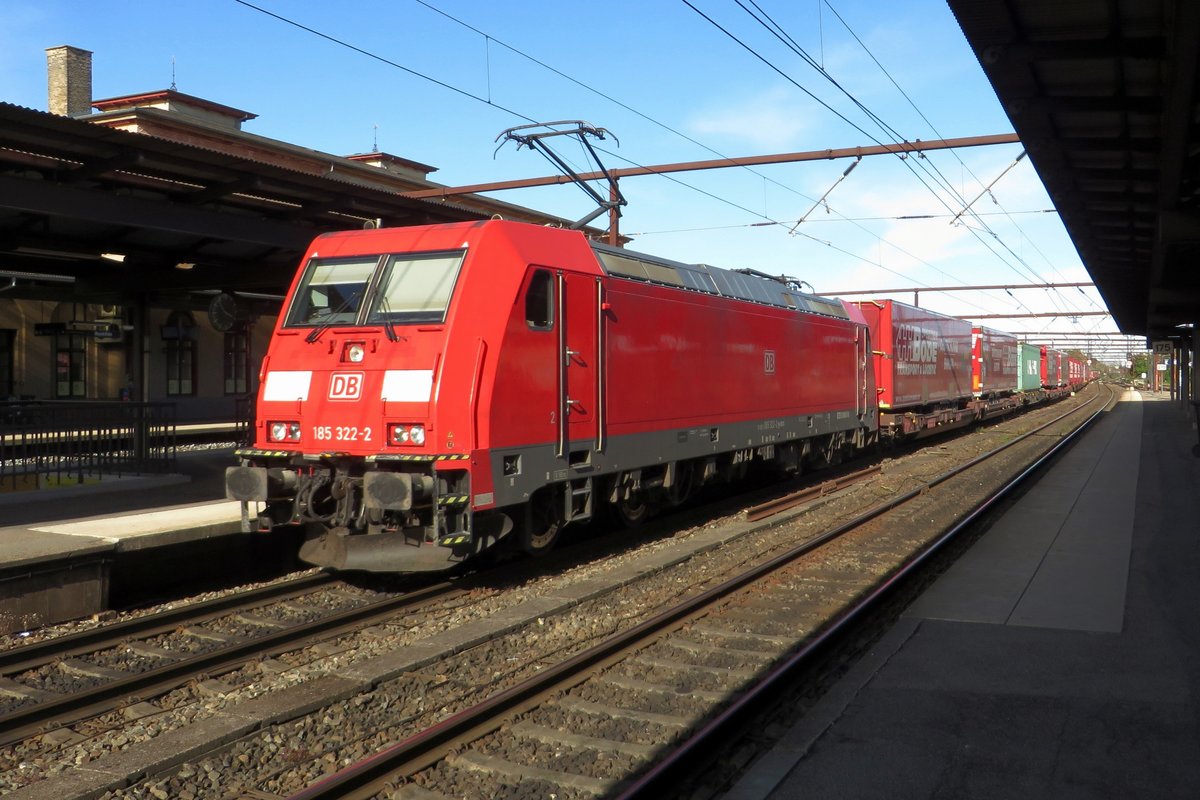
771,121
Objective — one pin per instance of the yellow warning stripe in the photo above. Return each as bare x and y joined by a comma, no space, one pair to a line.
453,500
250,451
420,457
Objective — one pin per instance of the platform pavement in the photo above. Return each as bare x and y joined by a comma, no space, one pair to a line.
1059,658
126,512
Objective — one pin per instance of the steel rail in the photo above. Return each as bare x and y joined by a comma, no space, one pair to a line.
668,772
31,656
26,721
793,499
366,778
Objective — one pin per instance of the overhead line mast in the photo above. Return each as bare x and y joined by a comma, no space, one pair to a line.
916,290
1042,314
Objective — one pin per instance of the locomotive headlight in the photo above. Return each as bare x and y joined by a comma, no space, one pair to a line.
355,353
406,434
284,431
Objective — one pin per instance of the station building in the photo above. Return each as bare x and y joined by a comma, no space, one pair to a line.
148,239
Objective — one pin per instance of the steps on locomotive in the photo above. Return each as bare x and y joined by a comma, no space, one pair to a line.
579,499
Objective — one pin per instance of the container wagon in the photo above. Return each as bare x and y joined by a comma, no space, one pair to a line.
1054,368
994,363
1030,377
922,365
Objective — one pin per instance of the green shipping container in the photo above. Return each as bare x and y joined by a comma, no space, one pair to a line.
1031,368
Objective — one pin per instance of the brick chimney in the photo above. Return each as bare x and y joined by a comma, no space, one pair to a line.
69,71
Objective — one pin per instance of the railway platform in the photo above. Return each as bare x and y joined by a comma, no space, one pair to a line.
1059,657
59,547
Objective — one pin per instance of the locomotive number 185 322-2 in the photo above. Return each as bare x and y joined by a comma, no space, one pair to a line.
341,433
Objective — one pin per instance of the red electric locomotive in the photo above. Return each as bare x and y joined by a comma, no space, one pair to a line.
430,391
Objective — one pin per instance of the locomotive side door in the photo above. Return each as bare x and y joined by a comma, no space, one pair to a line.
580,368
862,378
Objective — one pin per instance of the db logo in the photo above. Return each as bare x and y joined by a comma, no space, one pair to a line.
345,385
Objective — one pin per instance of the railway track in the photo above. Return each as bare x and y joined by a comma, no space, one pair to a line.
678,682
793,499
60,682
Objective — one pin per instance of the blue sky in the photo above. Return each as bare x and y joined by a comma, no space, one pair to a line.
655,70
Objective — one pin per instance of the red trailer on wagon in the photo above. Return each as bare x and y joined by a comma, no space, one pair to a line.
1077,372
994,367
1055,368
922,367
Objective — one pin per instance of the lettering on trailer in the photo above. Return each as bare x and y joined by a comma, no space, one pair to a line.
345,385
916,350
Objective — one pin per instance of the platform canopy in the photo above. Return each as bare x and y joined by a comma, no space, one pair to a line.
96,213
1104,98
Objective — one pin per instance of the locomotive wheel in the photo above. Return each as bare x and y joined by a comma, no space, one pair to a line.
679,493
541,528
632,510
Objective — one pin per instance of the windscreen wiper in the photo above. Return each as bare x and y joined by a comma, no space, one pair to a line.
388,326
316,332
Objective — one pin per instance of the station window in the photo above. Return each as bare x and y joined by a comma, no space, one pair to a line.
8,338
237,362
539,301
70,365
179,346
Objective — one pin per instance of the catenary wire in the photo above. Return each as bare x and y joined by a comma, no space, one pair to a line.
907,162
489,102
932,127
764,19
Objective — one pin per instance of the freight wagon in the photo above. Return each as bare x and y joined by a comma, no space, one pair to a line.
1054,368
1077,372
994,367
922,363
1030,377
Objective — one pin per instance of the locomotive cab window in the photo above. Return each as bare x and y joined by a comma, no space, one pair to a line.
539,301
416,288
332,291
